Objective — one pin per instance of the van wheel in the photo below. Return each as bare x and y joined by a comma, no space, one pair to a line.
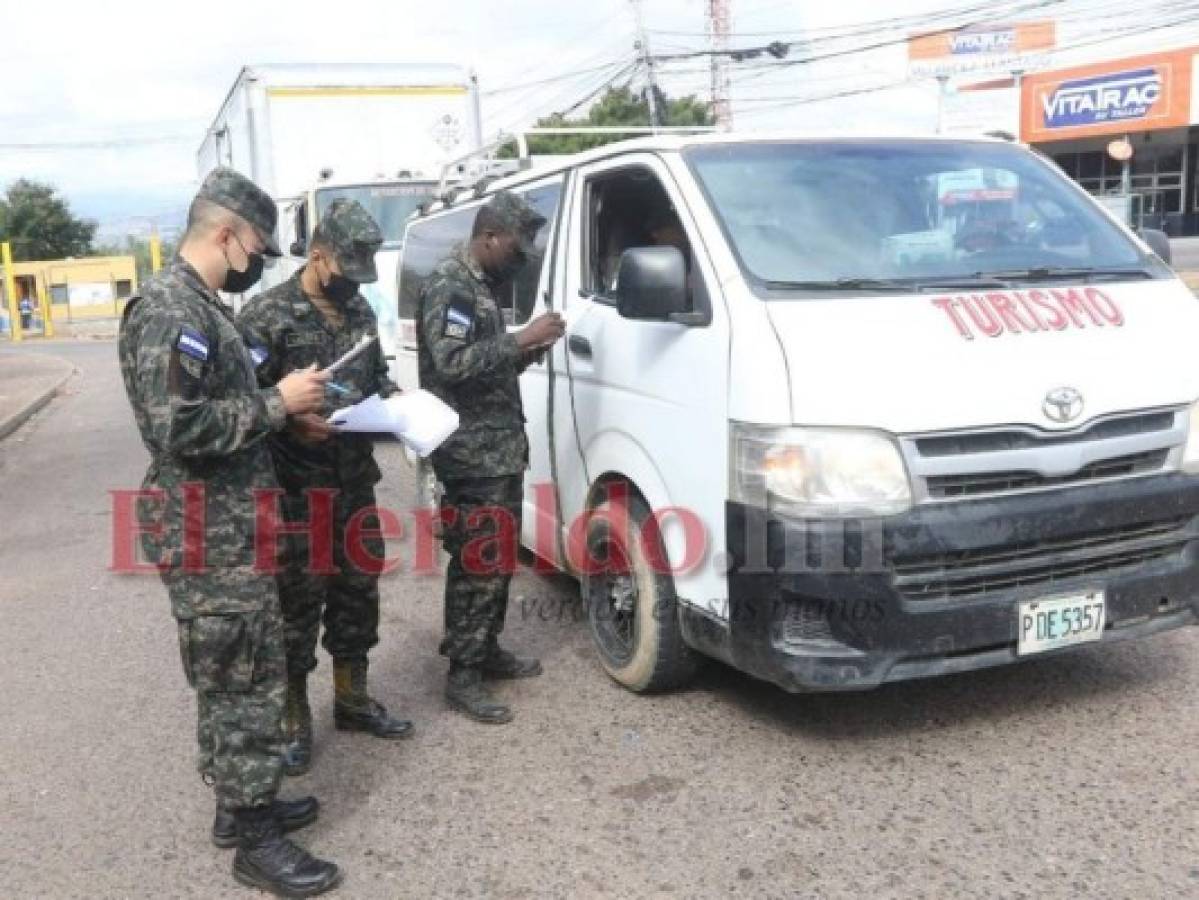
632,610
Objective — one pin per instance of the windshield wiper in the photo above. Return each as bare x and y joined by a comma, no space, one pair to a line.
1048,273
843,284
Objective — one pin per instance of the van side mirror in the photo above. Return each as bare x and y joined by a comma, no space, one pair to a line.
651,283
1158,241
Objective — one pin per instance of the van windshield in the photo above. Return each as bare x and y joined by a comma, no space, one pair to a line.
390,205
895,215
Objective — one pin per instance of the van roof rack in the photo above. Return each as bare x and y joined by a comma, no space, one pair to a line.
494,168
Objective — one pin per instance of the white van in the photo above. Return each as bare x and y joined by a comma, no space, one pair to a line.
881,408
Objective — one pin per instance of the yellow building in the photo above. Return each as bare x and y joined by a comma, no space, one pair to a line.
84,288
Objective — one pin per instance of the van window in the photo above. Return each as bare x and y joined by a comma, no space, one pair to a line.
625,209
429,242
811,214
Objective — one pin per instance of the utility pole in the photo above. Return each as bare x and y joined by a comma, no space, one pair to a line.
719,28
647,59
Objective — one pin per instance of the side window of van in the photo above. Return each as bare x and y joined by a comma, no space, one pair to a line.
630,208
428,243
519,298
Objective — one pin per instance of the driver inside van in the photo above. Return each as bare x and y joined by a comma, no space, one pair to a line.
665,230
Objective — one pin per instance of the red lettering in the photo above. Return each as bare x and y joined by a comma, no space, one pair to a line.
424,553
1005,307
491,554
946,305
695,541
615,511
319,529
194,515
980,314
127,526
1104,306
545,518
1059,321
1073,303
359,531
1031,310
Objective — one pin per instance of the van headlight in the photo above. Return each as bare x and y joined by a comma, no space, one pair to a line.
1190,453
818,472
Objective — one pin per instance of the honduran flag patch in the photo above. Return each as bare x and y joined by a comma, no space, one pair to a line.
258,356
193,344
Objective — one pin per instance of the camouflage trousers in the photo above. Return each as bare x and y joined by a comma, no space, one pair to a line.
346,602
481,534
236,664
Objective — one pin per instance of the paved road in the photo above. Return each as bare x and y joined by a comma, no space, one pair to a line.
1071,777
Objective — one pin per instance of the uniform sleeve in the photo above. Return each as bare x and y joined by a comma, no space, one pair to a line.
380,374
448,330
264,339
172,357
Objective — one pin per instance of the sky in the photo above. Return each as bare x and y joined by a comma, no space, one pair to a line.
117,95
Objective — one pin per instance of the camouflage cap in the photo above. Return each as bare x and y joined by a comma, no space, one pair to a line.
354,236
516,216
238,194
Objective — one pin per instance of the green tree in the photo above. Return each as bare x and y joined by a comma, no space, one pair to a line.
39,223
619,106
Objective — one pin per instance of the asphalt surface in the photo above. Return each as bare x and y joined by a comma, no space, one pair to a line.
1066,777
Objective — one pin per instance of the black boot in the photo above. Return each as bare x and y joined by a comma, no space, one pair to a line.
501,663
267,860
297,727
355,710
292,815
465,691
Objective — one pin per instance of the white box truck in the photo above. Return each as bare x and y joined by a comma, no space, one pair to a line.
380,134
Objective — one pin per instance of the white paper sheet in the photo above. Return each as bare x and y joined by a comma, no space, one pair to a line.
417,418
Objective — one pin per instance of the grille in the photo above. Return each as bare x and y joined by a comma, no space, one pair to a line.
948,487
1006,440
989,570
1014,459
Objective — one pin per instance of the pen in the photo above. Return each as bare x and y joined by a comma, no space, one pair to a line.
337,387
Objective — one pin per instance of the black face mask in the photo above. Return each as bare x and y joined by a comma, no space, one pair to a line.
238,282
338,288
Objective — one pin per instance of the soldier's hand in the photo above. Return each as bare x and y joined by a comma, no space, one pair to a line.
310,428
303,390
543,331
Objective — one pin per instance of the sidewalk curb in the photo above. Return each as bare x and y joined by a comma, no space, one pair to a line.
21,416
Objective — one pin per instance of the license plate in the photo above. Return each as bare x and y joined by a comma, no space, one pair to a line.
1061,622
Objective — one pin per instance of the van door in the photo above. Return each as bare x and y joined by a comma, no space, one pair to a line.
649,399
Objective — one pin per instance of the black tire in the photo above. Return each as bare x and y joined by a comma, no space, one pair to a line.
632,610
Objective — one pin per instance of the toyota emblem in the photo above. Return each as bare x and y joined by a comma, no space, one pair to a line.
1062,405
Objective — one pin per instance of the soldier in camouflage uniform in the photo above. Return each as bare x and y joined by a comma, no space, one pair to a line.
470,361
315,317
204,420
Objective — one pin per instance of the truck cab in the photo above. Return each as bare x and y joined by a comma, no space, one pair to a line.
846,411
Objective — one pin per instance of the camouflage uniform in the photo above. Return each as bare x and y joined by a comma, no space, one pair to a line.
285,331
203,418
470,361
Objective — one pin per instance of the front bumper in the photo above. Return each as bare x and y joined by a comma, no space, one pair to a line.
823,605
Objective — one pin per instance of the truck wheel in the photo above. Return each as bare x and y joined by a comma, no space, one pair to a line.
632,609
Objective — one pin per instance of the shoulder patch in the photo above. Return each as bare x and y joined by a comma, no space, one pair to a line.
258,356
193,343
459,319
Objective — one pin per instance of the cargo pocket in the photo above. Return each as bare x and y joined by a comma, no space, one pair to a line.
218,652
